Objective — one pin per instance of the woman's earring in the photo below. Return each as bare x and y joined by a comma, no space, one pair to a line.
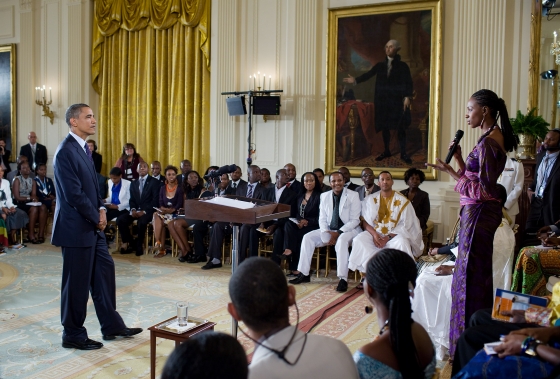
482,122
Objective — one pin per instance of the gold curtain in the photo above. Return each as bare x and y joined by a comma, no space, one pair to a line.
151,68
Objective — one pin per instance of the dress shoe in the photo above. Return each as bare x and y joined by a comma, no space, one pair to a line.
196,259
406,158
301,279
342,286
209,265
126,332
87,344
385,154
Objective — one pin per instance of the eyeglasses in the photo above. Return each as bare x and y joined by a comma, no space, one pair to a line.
367,175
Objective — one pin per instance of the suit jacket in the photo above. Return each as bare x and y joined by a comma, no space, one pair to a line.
124,194
259,192
161,179
551,199
40,153
97,161
150,195
349,210
352,186
296,186
421,205
362,190
228,191
311,212
287,197
77,207
6,160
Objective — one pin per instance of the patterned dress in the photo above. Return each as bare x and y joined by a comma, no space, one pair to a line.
531,273
481,216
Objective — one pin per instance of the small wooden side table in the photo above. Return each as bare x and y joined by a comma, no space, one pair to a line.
178,338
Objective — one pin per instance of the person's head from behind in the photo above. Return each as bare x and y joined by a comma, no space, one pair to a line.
208,355
503,194
260,296
21,158
390,281
116,175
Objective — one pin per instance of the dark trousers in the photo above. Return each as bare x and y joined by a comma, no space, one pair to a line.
219,231
482,329
115,213
85,270
200,229
292,240
535,221
401,135
248,239
125,220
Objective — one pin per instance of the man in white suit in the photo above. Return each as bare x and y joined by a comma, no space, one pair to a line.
512,180
339,219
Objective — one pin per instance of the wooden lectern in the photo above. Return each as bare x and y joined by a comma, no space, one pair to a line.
201,209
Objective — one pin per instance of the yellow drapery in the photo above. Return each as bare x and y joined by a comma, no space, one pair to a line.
151,68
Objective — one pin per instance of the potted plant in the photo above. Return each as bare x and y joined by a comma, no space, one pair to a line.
529,127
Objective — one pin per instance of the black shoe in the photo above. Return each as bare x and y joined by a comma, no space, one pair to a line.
139,253
196,259
84,345
342,286
301,279
406,158
385,154
128,250
126,332
183,259
209,265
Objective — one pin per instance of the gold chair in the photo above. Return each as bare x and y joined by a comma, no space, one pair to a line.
428,236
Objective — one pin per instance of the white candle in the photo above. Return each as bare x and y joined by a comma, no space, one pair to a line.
43,92
36,93
264,78
50,93
254,86
555,36
250,77
269,83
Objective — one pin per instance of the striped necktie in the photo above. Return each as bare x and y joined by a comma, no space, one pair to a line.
250,193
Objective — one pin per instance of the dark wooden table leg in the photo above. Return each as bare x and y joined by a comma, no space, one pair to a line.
152,355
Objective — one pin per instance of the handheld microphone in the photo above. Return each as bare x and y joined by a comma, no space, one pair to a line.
222,170
456,141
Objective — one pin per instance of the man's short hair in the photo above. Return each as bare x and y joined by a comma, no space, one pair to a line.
74,111
259,292
335,173
116,171
319,170
385,172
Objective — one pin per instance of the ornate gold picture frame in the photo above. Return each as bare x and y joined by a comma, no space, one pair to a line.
369,120
8,97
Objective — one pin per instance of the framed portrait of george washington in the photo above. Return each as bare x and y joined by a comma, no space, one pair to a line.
8,97
383,87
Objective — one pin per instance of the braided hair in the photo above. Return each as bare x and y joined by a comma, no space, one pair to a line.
389,273
498,109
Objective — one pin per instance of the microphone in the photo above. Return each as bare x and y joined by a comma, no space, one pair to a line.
453,147
222,170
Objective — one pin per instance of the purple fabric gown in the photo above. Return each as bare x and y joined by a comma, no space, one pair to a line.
481,215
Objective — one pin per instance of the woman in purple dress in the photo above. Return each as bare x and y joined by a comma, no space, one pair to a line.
481,214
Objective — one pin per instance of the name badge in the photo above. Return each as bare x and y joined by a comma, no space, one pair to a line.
45,191
129,171
541,192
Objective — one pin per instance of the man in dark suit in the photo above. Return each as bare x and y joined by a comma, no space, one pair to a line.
78,225
186,167
369,187
35,152
156,171
4,157
293,183
144,196
347,183
254,190
543,192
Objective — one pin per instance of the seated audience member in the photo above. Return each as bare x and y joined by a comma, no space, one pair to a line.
5,156
292,184
225,188
512,179
128,162
209,183
251,190
266,182
24,192
196,358
483,329
281,194
419,199
321,176
144,196
369,187
339,223
389,222
156,172
307,211
347,183
536,264
171,198
97,158
403,348
281,350
45,187
15,218
118,201
13,174
432,296
178,227
185,167
236,180
526,353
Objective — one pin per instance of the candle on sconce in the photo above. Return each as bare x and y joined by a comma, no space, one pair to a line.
269,82
50,94
555,34
264,78
43,92
250,78
254,85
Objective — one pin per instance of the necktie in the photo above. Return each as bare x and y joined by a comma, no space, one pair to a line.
141,185
250,193
335,216
544,177
389,66
234,185
288,185
88,152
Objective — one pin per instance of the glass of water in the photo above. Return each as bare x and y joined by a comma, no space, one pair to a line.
182,313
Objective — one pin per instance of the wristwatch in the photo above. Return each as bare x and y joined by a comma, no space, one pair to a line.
529,346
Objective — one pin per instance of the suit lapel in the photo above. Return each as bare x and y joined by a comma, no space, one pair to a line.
553,171
82,154
343,198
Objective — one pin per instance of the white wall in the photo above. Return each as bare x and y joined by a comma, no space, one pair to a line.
485,45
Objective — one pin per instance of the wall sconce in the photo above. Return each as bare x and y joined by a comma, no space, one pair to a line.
41,100
555,49
255,81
